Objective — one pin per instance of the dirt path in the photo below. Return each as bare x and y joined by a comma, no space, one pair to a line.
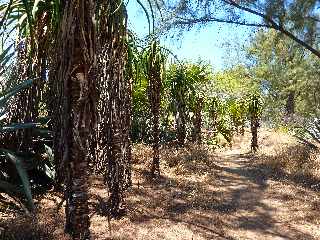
221,196
201,195
261,207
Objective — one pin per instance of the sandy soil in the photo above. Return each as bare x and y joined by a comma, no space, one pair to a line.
222,195
205,195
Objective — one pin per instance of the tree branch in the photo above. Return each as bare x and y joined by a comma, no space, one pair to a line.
274,25
185,21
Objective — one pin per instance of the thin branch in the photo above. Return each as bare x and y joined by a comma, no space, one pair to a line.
186,21
274,25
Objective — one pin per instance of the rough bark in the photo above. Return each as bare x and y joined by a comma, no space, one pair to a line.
254,132
154,95
181,124
114,108
290,105
198,121
76,73
155,100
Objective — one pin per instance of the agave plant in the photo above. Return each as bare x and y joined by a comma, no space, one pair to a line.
19,160
310,134
26,33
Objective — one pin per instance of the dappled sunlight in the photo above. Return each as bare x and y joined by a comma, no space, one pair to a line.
200,194
203,194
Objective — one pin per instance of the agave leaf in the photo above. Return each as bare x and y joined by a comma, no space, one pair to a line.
22,19
4,53
10,188
7,59
18,126
313,135
6,96
23,175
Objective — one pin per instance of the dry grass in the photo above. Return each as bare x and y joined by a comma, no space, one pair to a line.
201,194
281,152
46,223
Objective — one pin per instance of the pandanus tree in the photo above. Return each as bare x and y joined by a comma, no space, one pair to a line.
254,110
197,75
59,38
197,120
76,74
237,110
114,106
28,30
154,60
28,23
219,118
212,106
35,25
185,83
177,85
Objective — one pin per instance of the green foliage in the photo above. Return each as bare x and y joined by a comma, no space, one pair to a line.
284,69
255,105
7,182
310,134
18,163
235,82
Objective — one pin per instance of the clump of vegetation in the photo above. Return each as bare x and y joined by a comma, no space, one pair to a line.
290,158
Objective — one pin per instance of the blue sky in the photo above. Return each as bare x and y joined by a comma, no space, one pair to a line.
220,44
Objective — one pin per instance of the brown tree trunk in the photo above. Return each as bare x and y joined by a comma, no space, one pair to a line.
181,125
155,101
290,105
198,121
254,132
114,108
76,73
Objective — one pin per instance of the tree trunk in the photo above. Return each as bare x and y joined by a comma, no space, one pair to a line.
155,101
76,73
198,121
181,124
114,143
254,132
290,105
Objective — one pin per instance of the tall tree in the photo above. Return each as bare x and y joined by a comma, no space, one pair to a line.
176,82
154,63
254,110
287,73
76,72
113,140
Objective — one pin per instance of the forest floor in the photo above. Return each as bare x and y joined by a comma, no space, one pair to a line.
204,194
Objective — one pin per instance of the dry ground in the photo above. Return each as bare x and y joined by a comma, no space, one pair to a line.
226,194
